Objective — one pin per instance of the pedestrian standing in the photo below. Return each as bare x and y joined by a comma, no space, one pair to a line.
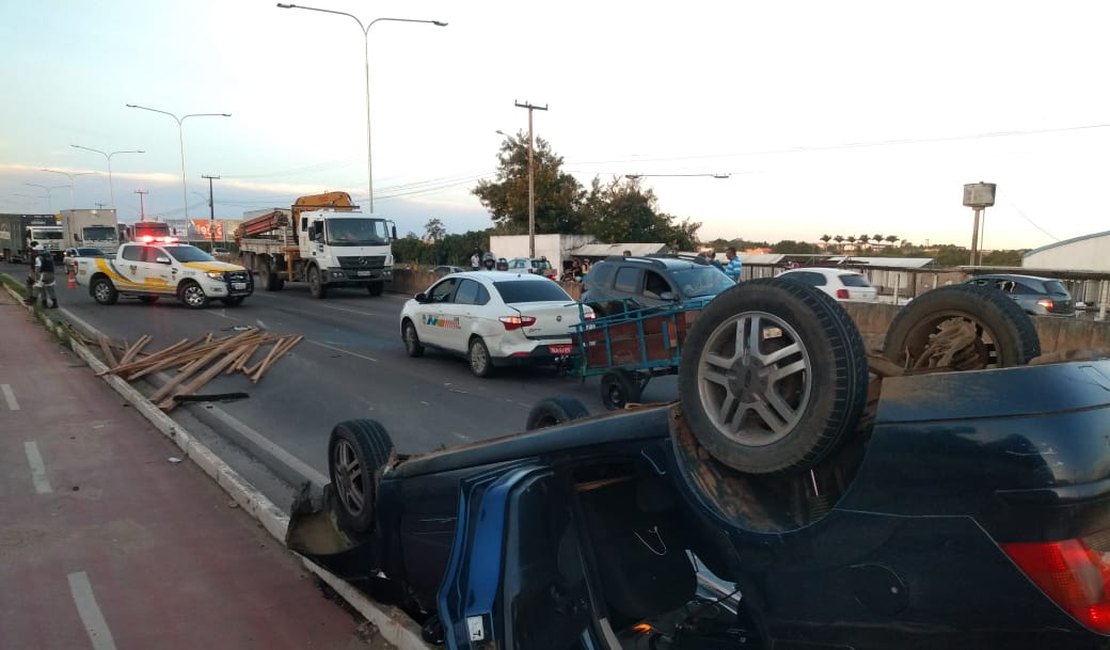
44,279
732,269
476,260
31,278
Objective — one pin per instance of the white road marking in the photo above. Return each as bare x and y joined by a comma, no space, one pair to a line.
356,311
38,469
89,611
9,397
353,354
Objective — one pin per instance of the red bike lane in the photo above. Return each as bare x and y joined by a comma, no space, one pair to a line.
106,543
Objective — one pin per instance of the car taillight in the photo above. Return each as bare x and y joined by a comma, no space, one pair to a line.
589,315
841,294
516,322
1046,303
1073,575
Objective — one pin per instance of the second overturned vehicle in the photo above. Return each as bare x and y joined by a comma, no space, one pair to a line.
948,495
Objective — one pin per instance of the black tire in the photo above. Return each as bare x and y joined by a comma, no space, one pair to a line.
618,389
192,295
477,355
268,278
411,339
103,291
375,288
233,301
148,300
554,411
1005,335
316,283
785,402
359,452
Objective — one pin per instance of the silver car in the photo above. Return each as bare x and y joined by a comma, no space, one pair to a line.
1038,296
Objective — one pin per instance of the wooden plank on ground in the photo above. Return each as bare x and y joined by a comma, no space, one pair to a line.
182,376
200,380
134,349
274,358
141,363
106,348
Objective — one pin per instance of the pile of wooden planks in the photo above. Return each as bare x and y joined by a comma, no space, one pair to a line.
196,362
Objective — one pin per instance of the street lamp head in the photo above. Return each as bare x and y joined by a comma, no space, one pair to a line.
439,23
286,6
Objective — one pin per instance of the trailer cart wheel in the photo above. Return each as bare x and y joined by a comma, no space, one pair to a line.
103,291
359,452
555,410
773,376
619,388
963,327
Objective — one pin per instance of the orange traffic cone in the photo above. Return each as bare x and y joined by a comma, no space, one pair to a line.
71,279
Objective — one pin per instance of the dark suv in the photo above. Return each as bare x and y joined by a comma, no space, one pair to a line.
1037,296
619,283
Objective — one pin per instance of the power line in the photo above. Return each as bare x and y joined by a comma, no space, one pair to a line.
1022,215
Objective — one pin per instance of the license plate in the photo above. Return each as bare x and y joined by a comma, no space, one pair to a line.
239,286
364,274
560,350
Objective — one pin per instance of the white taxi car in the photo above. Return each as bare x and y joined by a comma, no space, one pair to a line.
164,267
493,318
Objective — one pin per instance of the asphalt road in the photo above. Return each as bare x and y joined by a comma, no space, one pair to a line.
351,364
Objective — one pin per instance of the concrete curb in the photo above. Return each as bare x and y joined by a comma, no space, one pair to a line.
394,625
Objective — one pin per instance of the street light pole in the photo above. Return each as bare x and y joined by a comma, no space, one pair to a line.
181,143
108,157
49,194
531,180
366,64
211,214
70,177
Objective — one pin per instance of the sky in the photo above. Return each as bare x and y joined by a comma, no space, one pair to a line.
842,117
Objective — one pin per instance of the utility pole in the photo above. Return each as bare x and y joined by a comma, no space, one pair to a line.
142,211
211,214
531,180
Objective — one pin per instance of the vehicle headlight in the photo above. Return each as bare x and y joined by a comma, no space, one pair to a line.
215,275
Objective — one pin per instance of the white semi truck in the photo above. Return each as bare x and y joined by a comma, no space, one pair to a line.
324,240
90,228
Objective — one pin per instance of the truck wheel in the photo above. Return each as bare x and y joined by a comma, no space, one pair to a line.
773,376
316,283
267,277
359,453
233,301
413,348
555,410
192,295
619,388
963,327
375,288
103,291
148,300
481,364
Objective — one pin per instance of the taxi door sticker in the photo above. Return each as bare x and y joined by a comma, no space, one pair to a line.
432,320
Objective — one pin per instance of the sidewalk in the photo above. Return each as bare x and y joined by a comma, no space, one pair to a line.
105,543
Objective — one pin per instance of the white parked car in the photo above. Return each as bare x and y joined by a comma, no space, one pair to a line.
493,318
841,284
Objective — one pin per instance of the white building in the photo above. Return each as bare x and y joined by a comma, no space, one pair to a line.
1086,253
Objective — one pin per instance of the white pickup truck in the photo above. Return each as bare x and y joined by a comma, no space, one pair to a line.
151,270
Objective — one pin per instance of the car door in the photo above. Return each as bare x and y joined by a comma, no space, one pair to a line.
130,268
467,308
517,574
629,284
432,324
158,270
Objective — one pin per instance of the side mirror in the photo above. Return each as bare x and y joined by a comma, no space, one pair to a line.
421,297
162,259
393,232
76,237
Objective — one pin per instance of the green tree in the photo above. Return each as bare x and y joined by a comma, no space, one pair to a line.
434,230
825,238
557,195
839,239
791,247
891,239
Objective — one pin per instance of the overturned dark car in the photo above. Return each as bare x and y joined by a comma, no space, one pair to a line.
946,494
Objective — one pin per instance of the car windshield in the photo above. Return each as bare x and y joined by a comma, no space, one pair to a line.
357,232
90,252
516,291
186,253
701,281
853,280
542,265
99,233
